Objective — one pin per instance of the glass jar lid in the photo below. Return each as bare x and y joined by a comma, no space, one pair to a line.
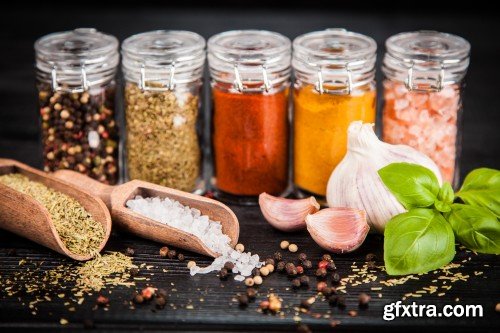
76,60
426,60
336,61
158,60
250,60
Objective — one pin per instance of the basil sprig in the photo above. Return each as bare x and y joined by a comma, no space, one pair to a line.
423,238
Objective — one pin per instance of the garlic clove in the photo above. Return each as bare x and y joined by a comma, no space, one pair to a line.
287,214
338,229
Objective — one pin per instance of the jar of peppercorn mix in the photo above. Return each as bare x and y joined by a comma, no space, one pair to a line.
423,90
75,73
250,71
334,86
163,75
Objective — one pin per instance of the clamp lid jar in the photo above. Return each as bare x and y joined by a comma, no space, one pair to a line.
250,71
75,73
423,90
163,74
334,86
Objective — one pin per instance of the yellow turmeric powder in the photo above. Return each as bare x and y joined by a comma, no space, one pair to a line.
320,132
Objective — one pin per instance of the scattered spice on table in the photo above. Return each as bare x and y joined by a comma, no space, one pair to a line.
79,232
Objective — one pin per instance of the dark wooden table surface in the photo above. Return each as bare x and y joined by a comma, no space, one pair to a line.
185,312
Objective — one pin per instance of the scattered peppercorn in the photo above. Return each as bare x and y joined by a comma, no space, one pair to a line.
138,299
296,283
239,247
307,264
332,300
191,264
243,300
180,257
251,293
321,273
171,254
320,286
257,280
284,244
305,305
304,280
223,274
161,292
274,303
300,269
341,302
269,261
264,271
364,299
302,256
331,266
256,272
129,251
134,271
147,293
102,300
249,282
322,264
353,313
160,302
277,256
229,266
335,278
327,291
264,305
371,264
164,251
326,257
291,271
270,268
280,267
293,248
370,257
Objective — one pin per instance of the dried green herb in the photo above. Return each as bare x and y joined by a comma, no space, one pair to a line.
162,144
79,232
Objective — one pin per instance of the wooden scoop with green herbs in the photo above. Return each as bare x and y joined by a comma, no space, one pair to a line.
116,198
52,212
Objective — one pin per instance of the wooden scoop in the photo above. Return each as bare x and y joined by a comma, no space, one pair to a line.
116,197
23,215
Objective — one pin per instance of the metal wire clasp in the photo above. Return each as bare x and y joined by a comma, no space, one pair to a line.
85,83
347,83
238,83
412,86
169,86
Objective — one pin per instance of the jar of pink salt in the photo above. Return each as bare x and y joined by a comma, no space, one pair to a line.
424,79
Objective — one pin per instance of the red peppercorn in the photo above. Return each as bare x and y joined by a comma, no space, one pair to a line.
320,286
323,264
300,269
102,300
147,293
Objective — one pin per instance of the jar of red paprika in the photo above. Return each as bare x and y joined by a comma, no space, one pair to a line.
423,91
250,72
76,93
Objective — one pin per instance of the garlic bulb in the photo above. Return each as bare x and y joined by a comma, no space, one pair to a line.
287,214
355,181
338,230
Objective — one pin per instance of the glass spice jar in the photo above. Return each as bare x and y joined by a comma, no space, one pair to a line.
423,89
250,71
334,86
163,75
75,73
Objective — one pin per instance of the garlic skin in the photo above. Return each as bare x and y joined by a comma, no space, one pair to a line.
287,214
338,230
355,181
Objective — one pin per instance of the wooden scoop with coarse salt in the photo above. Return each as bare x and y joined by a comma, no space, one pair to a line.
116,197
24,216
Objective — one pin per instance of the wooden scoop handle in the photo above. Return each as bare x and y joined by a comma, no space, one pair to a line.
88,184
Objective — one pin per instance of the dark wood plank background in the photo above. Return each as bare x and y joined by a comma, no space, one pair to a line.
19,140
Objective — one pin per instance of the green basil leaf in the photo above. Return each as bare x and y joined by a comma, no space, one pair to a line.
481,188
417,241
441,206
446,193
476,228
412,184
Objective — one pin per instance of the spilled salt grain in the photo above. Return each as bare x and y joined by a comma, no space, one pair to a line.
190,220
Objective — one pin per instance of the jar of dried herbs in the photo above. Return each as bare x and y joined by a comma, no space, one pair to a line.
163,76
76,93
250,72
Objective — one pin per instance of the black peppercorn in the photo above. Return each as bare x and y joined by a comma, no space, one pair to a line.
304,280
331,266
161,292
332,300
335,278
371,264
243,300
327,291
278,256
269,261
129,251
280,267
171,254
341,302
291,271
302,257
138,299
229,266
160,302
370,257
134,271
320,273
364,299
296,283
326,257
223,274
251,293
307,264
180,257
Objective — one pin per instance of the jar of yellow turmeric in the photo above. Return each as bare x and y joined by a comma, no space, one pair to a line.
334,86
